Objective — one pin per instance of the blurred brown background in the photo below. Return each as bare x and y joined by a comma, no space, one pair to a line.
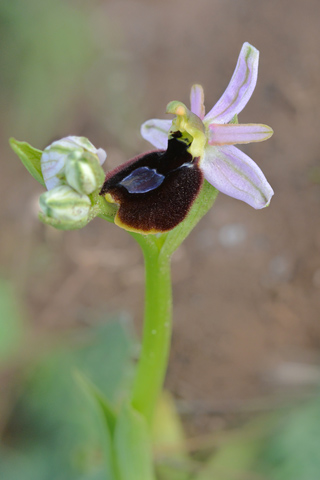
246,283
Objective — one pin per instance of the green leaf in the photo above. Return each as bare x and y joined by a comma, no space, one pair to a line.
106,358
98,397
106,413
56,432
133,446
292,449
30,157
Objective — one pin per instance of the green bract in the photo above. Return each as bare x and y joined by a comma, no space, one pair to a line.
30,157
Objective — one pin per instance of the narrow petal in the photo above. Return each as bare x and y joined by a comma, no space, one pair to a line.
232,172
238,133
240,88
196,101
156,132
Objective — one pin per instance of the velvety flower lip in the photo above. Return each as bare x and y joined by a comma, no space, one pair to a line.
155,190
226,167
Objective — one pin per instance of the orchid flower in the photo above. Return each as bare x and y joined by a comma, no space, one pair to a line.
156,190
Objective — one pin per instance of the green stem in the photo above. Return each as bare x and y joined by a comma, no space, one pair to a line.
157,252
157,331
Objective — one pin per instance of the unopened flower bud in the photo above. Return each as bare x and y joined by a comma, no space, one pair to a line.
83,172
65,206
54,158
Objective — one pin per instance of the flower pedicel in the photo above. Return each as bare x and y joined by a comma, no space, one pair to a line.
155,190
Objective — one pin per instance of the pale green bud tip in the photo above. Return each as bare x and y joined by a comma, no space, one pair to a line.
65,205
83,172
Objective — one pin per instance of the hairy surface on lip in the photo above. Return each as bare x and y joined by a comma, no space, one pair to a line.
165,206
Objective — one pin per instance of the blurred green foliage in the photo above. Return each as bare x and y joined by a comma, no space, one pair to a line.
284,445
293,450
64,70
45,49
54,431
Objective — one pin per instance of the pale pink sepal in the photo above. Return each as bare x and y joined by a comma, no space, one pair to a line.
240,88
197,101
156,132
232,172
239,133
102,155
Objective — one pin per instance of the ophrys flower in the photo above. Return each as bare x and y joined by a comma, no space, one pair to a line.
156,190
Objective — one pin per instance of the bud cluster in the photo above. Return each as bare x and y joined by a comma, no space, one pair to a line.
71,169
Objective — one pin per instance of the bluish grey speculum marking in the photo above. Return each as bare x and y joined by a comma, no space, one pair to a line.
142,180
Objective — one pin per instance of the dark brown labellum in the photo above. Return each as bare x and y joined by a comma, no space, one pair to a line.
155,190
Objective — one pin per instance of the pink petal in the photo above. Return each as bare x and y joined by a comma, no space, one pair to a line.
156,132
234,173
240,88
196,100
239,133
